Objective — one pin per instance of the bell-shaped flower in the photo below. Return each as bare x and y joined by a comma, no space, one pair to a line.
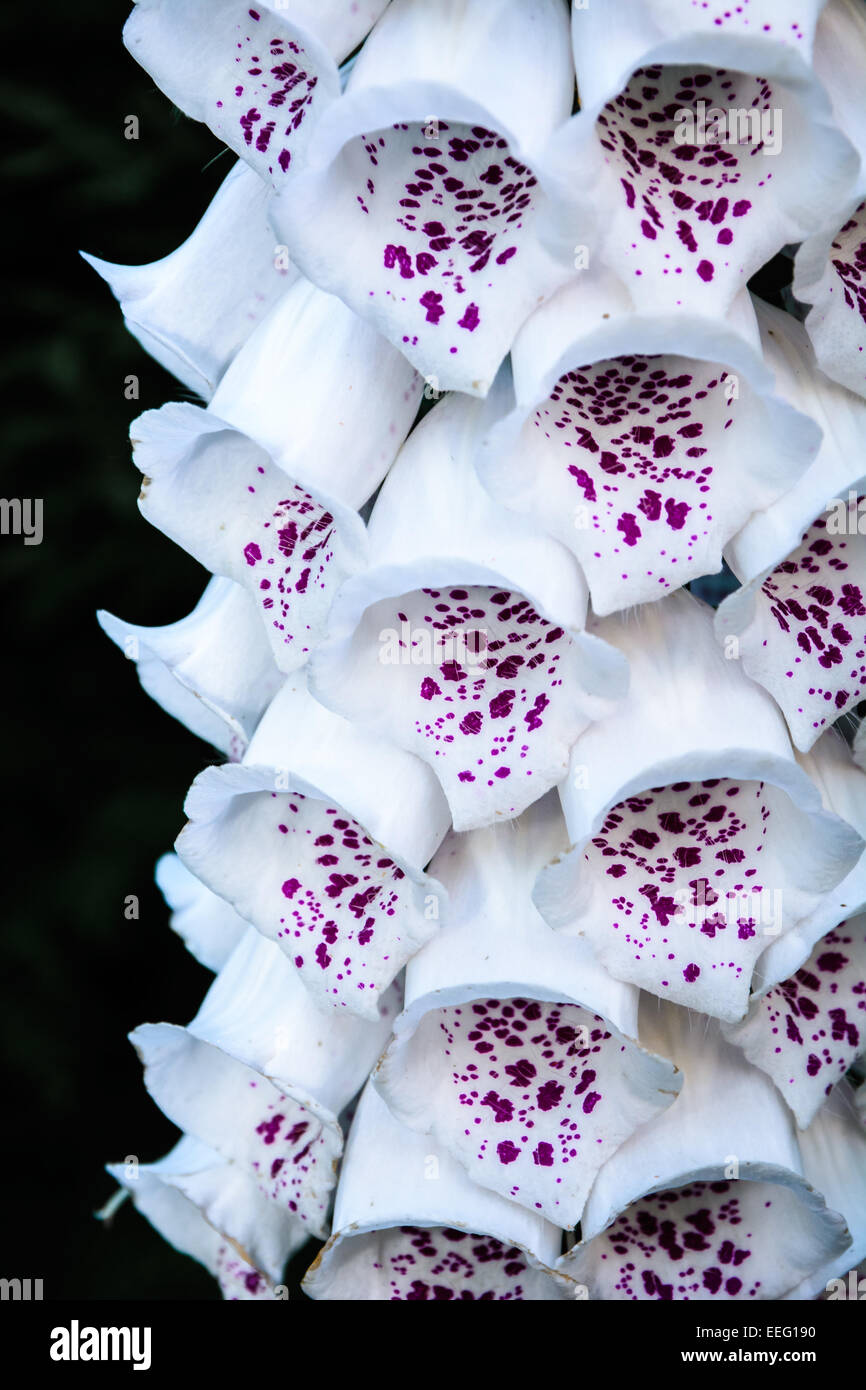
261,1076
842,786
195,308
715,1198
210,1209
806,1032
703,157
409,1225
516,1050
798,623
422,186
319,838
212,670
207,925
830,266
259,77
697,838
262,486
465,641
642,442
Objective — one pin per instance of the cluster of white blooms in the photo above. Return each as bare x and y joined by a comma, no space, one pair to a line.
534,888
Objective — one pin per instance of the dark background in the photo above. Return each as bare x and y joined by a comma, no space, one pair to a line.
94,773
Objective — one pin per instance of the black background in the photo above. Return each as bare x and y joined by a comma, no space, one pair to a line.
93,773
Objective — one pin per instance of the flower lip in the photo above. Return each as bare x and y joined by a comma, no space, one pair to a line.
259,84
427,287
726,733
626,438
331,868
505,1013
475,574
384,1185
725,1114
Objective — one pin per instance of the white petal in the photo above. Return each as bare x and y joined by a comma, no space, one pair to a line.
689,212
261,1053
834,1161
502,1054
209,927
211,1210
319,839
259,77
408,1224
728,1175
806,1032
512,636
610,41
769,536
669,805
828,269
843,791
425,181
324,393
212,670
642,443
800,629
193,309
214,491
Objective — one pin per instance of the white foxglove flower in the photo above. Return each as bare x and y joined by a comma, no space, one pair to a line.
212,670
465,640
409,1225
515,1051
695,842
260,1051
193,309
207,1208
714,1198
627,441
830,266
806,1032
319,838
703,157
259,76
423,184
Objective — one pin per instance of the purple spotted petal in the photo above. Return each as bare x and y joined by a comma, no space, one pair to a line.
705,1241
195,308
682,873
530,1096
801,631
836,288
409,1225
714,1198
425,182
258,76
697,202
636,461
347,911
806,1032
217,493
472,680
